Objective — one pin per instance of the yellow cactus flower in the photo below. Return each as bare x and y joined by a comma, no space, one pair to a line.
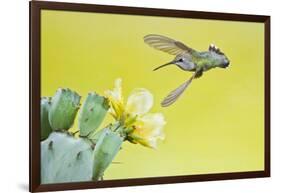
145,128
116,100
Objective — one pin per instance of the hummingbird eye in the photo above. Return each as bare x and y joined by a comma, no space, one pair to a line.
180,60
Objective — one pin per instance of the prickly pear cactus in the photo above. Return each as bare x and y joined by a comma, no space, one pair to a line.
46,128
64,106
92,113
66,159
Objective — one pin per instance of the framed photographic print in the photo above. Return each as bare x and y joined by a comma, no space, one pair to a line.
123,96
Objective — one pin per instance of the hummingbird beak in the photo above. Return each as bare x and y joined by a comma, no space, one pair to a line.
169,63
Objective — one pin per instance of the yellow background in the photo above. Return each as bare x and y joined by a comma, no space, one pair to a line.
215,127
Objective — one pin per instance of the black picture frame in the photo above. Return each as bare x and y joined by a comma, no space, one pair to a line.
34,177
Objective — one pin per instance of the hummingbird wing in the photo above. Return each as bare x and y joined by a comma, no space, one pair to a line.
174,95
166,44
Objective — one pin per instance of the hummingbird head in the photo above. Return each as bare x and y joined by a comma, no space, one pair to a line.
182,61
220,58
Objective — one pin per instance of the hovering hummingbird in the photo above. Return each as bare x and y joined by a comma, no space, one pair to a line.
186,59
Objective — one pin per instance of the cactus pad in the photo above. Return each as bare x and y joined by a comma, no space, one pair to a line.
92,113
44,120
64,106
108,145
65,159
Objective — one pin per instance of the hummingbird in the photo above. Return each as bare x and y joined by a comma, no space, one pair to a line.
187,59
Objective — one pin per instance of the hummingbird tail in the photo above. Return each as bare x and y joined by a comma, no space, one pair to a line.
162,66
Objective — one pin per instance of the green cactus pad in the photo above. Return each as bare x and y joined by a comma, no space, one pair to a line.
65,159
108,145
46,128
92,113
64,106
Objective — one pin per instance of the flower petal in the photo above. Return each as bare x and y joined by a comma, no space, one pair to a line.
153,123
116,93
148,129
116,99
139,102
